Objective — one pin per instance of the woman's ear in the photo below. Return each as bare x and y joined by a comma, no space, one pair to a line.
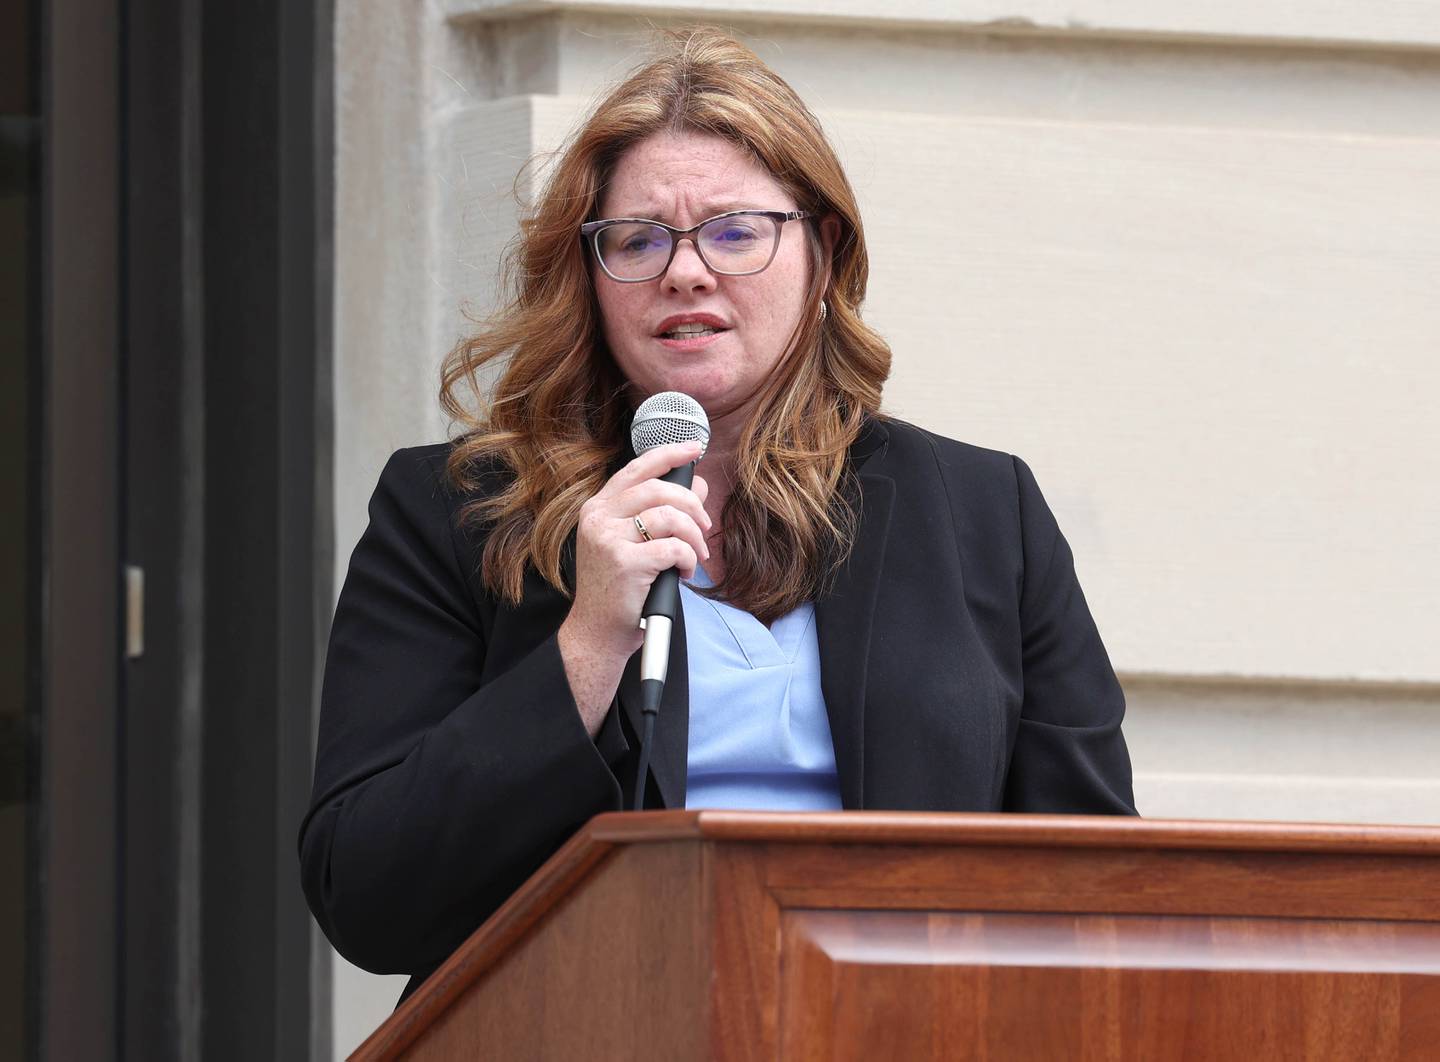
829,234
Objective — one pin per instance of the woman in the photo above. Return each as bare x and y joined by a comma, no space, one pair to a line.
879,618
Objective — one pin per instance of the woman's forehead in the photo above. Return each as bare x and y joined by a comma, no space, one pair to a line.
692,174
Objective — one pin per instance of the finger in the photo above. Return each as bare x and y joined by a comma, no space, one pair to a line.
654,493
651,465
666,553
666,521
701,487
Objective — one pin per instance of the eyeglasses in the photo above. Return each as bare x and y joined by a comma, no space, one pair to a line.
734,244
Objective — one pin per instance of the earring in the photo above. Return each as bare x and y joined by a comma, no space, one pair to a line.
824,310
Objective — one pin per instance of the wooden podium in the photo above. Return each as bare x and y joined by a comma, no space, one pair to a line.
877,936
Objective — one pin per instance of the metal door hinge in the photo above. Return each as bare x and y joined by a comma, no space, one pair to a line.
134,612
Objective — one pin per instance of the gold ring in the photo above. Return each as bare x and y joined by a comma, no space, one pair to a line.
640,526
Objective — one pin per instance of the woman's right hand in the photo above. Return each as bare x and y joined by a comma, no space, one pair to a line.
615,567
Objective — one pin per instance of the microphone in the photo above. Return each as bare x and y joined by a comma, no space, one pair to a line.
668,417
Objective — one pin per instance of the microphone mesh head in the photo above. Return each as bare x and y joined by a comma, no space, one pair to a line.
669,417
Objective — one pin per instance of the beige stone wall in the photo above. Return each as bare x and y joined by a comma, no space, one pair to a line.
1184,259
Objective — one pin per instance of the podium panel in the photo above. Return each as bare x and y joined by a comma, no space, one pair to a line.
747,936
865,985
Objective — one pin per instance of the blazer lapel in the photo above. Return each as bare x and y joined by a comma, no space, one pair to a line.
843,618
670,753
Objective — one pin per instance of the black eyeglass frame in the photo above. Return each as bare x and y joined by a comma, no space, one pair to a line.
590,233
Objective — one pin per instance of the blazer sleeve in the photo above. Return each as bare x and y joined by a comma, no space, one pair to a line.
440,785
1069,754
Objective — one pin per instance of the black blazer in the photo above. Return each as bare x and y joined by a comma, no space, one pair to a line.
960,666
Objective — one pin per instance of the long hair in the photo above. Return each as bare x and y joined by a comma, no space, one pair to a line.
556,417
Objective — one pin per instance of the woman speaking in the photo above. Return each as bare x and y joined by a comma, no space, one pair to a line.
871,616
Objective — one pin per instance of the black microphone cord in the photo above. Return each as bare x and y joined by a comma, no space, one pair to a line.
643,769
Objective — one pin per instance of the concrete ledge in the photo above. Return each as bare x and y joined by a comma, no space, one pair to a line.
1284,752
1288,798
1376,24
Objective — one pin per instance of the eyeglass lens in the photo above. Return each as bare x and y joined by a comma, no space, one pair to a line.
635,250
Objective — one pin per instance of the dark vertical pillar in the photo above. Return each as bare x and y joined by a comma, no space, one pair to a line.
306,513
80,326
266,510
243,696
160,985
19,531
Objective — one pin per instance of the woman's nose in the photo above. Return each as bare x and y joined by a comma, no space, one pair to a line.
688,270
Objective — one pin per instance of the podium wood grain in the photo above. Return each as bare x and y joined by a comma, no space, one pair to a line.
727,935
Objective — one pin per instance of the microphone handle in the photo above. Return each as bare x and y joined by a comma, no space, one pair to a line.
664,596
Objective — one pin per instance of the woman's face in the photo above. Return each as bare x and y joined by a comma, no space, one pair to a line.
683,179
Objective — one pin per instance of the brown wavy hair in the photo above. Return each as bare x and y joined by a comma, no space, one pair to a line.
557,416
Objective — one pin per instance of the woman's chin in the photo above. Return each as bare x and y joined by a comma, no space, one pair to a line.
717,390
716,395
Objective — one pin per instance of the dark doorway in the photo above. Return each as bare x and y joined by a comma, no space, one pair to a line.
170,465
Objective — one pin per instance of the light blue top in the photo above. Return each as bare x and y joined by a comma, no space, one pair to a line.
759,735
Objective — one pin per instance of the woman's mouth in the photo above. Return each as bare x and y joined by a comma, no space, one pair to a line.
690,336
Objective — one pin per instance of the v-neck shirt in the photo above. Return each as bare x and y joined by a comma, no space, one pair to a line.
759,732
